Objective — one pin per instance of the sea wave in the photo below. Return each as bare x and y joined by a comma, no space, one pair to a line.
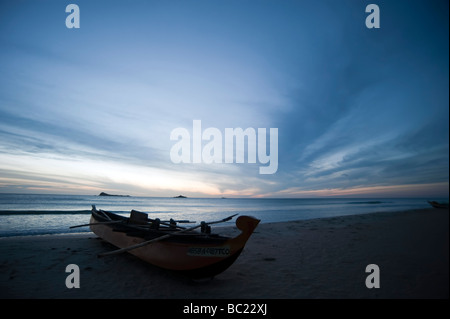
43,212
371,202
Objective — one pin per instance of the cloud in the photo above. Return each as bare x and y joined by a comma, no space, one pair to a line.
413,190
356,109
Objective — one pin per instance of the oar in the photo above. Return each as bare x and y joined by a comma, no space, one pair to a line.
99,223
122,250
183,221
222,220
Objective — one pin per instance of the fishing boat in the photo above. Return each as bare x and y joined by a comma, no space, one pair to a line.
438,205
196,254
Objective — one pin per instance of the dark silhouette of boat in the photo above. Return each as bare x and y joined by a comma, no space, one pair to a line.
167,245
437,204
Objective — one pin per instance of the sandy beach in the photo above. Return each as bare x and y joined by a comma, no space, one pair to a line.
319,258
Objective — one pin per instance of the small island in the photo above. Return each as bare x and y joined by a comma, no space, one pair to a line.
180,196
106,194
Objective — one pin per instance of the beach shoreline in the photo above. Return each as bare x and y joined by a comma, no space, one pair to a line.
314,258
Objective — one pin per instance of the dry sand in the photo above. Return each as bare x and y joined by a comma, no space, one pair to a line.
320,258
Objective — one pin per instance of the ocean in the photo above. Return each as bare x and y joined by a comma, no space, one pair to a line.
32,214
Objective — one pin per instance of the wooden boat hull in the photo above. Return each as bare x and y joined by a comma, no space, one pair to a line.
195,257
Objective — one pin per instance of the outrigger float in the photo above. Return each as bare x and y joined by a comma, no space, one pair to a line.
170,246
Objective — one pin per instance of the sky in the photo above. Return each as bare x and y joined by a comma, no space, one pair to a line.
359,112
